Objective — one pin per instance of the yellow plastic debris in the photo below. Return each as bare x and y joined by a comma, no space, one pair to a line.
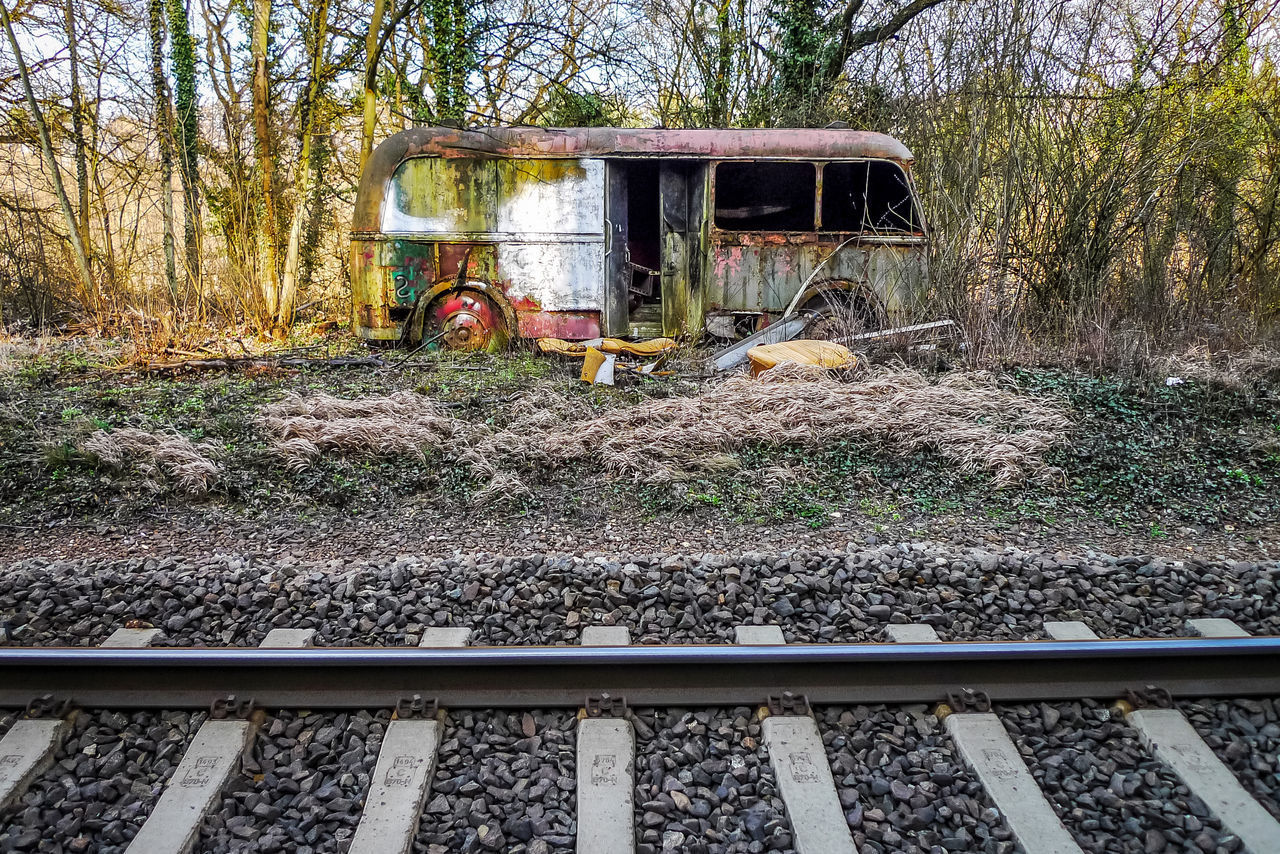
644,349
824,354
615,346
559,347
597,367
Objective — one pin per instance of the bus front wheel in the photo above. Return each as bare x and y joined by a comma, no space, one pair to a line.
466,320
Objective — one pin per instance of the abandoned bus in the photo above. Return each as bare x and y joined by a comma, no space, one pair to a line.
472,237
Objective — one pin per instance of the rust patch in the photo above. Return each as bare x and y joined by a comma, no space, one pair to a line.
771,238
567,325
524,303
373,317
451,257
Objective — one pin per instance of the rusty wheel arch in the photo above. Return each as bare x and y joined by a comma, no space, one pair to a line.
847,289
422,305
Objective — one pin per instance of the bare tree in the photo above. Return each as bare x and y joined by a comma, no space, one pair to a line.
306,166
160,89
80,256
267,225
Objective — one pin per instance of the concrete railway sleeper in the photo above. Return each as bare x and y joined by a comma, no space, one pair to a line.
1015,769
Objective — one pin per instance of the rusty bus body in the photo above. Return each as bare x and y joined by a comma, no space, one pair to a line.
474,236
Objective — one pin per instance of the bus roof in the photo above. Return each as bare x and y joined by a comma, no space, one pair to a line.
555,143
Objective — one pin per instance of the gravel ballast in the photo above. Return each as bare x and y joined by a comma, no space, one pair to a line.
902,785
7,717
1245,735
504,782
1110,793
704,784
815,597
303,787
105,779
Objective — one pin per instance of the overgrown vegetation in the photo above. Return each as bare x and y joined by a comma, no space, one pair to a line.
1139,455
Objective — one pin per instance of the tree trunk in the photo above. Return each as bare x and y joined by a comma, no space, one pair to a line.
78,253
155,19
321,149
371,54
453,58
95,179
302,185
270,281
77,127
183,53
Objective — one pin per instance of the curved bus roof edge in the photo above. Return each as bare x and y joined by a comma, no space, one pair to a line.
657,143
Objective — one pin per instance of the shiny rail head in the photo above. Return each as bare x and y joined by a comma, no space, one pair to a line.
560,656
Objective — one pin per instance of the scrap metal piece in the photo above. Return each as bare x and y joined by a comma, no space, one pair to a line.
781,330
940,327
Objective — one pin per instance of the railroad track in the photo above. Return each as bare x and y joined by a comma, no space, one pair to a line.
770,746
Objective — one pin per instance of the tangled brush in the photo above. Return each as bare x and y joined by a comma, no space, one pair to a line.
965,418
186,463
402,423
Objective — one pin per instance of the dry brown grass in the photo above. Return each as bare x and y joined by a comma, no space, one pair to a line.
402,423
156,456
1230,370
965,418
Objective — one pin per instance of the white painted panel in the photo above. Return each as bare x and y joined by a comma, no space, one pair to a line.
571,202
431,195
557,276
487,198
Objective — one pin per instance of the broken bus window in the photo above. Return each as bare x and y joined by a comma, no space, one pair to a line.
768,196
867,195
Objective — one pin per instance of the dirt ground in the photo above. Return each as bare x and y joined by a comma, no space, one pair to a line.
1146,466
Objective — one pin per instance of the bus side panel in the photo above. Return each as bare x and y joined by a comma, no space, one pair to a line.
369,298
557,288
765,274
533,229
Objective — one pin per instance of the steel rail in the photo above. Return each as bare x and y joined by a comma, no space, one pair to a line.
525,676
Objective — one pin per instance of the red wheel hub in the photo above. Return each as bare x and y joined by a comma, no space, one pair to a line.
465,321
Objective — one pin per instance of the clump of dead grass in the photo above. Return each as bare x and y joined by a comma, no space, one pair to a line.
304,428
1230,370
968,419
157,456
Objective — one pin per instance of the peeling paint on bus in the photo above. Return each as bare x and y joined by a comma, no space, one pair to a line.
528,213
